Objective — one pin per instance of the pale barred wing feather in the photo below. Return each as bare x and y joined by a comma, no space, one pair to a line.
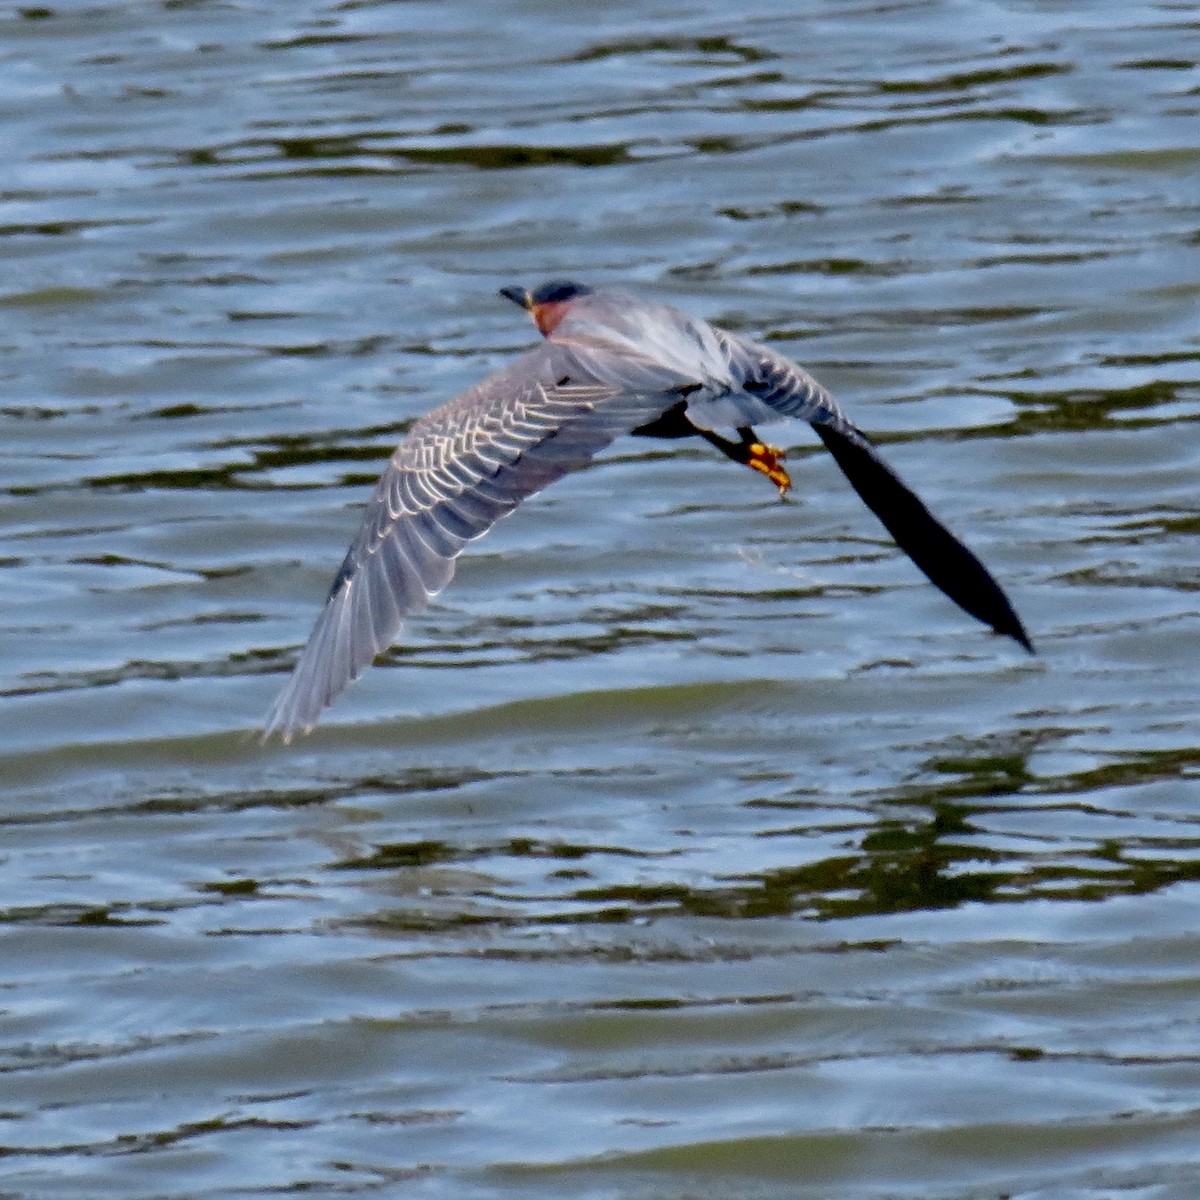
779,383
460,469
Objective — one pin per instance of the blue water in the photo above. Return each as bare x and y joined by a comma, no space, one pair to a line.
691,844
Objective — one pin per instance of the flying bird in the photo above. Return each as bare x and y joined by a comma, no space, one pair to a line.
610,364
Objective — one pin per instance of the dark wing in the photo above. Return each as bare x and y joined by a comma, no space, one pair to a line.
931,546
953,568
461,468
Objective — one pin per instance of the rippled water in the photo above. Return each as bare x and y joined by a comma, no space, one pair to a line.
691,845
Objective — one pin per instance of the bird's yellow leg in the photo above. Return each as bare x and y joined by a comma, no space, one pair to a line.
768,460
755,454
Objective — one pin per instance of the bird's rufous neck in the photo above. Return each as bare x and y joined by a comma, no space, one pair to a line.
547,316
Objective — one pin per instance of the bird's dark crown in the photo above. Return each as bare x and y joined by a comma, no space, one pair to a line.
558,290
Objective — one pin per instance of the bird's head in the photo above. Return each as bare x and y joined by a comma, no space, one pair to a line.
547,304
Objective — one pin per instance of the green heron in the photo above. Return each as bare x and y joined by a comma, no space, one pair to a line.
610,364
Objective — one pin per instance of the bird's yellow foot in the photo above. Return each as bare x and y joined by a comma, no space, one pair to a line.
768,460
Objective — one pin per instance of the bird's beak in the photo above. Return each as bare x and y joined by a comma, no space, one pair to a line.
518,295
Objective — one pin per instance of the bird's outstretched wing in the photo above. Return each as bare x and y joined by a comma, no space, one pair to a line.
461,468
949,565
932,547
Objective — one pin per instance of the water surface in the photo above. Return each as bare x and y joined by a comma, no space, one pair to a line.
691,844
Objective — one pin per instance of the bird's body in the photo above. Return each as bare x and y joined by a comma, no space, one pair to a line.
610,364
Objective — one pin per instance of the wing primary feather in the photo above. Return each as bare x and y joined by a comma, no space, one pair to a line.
382,604
440,541
455,524
428,570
